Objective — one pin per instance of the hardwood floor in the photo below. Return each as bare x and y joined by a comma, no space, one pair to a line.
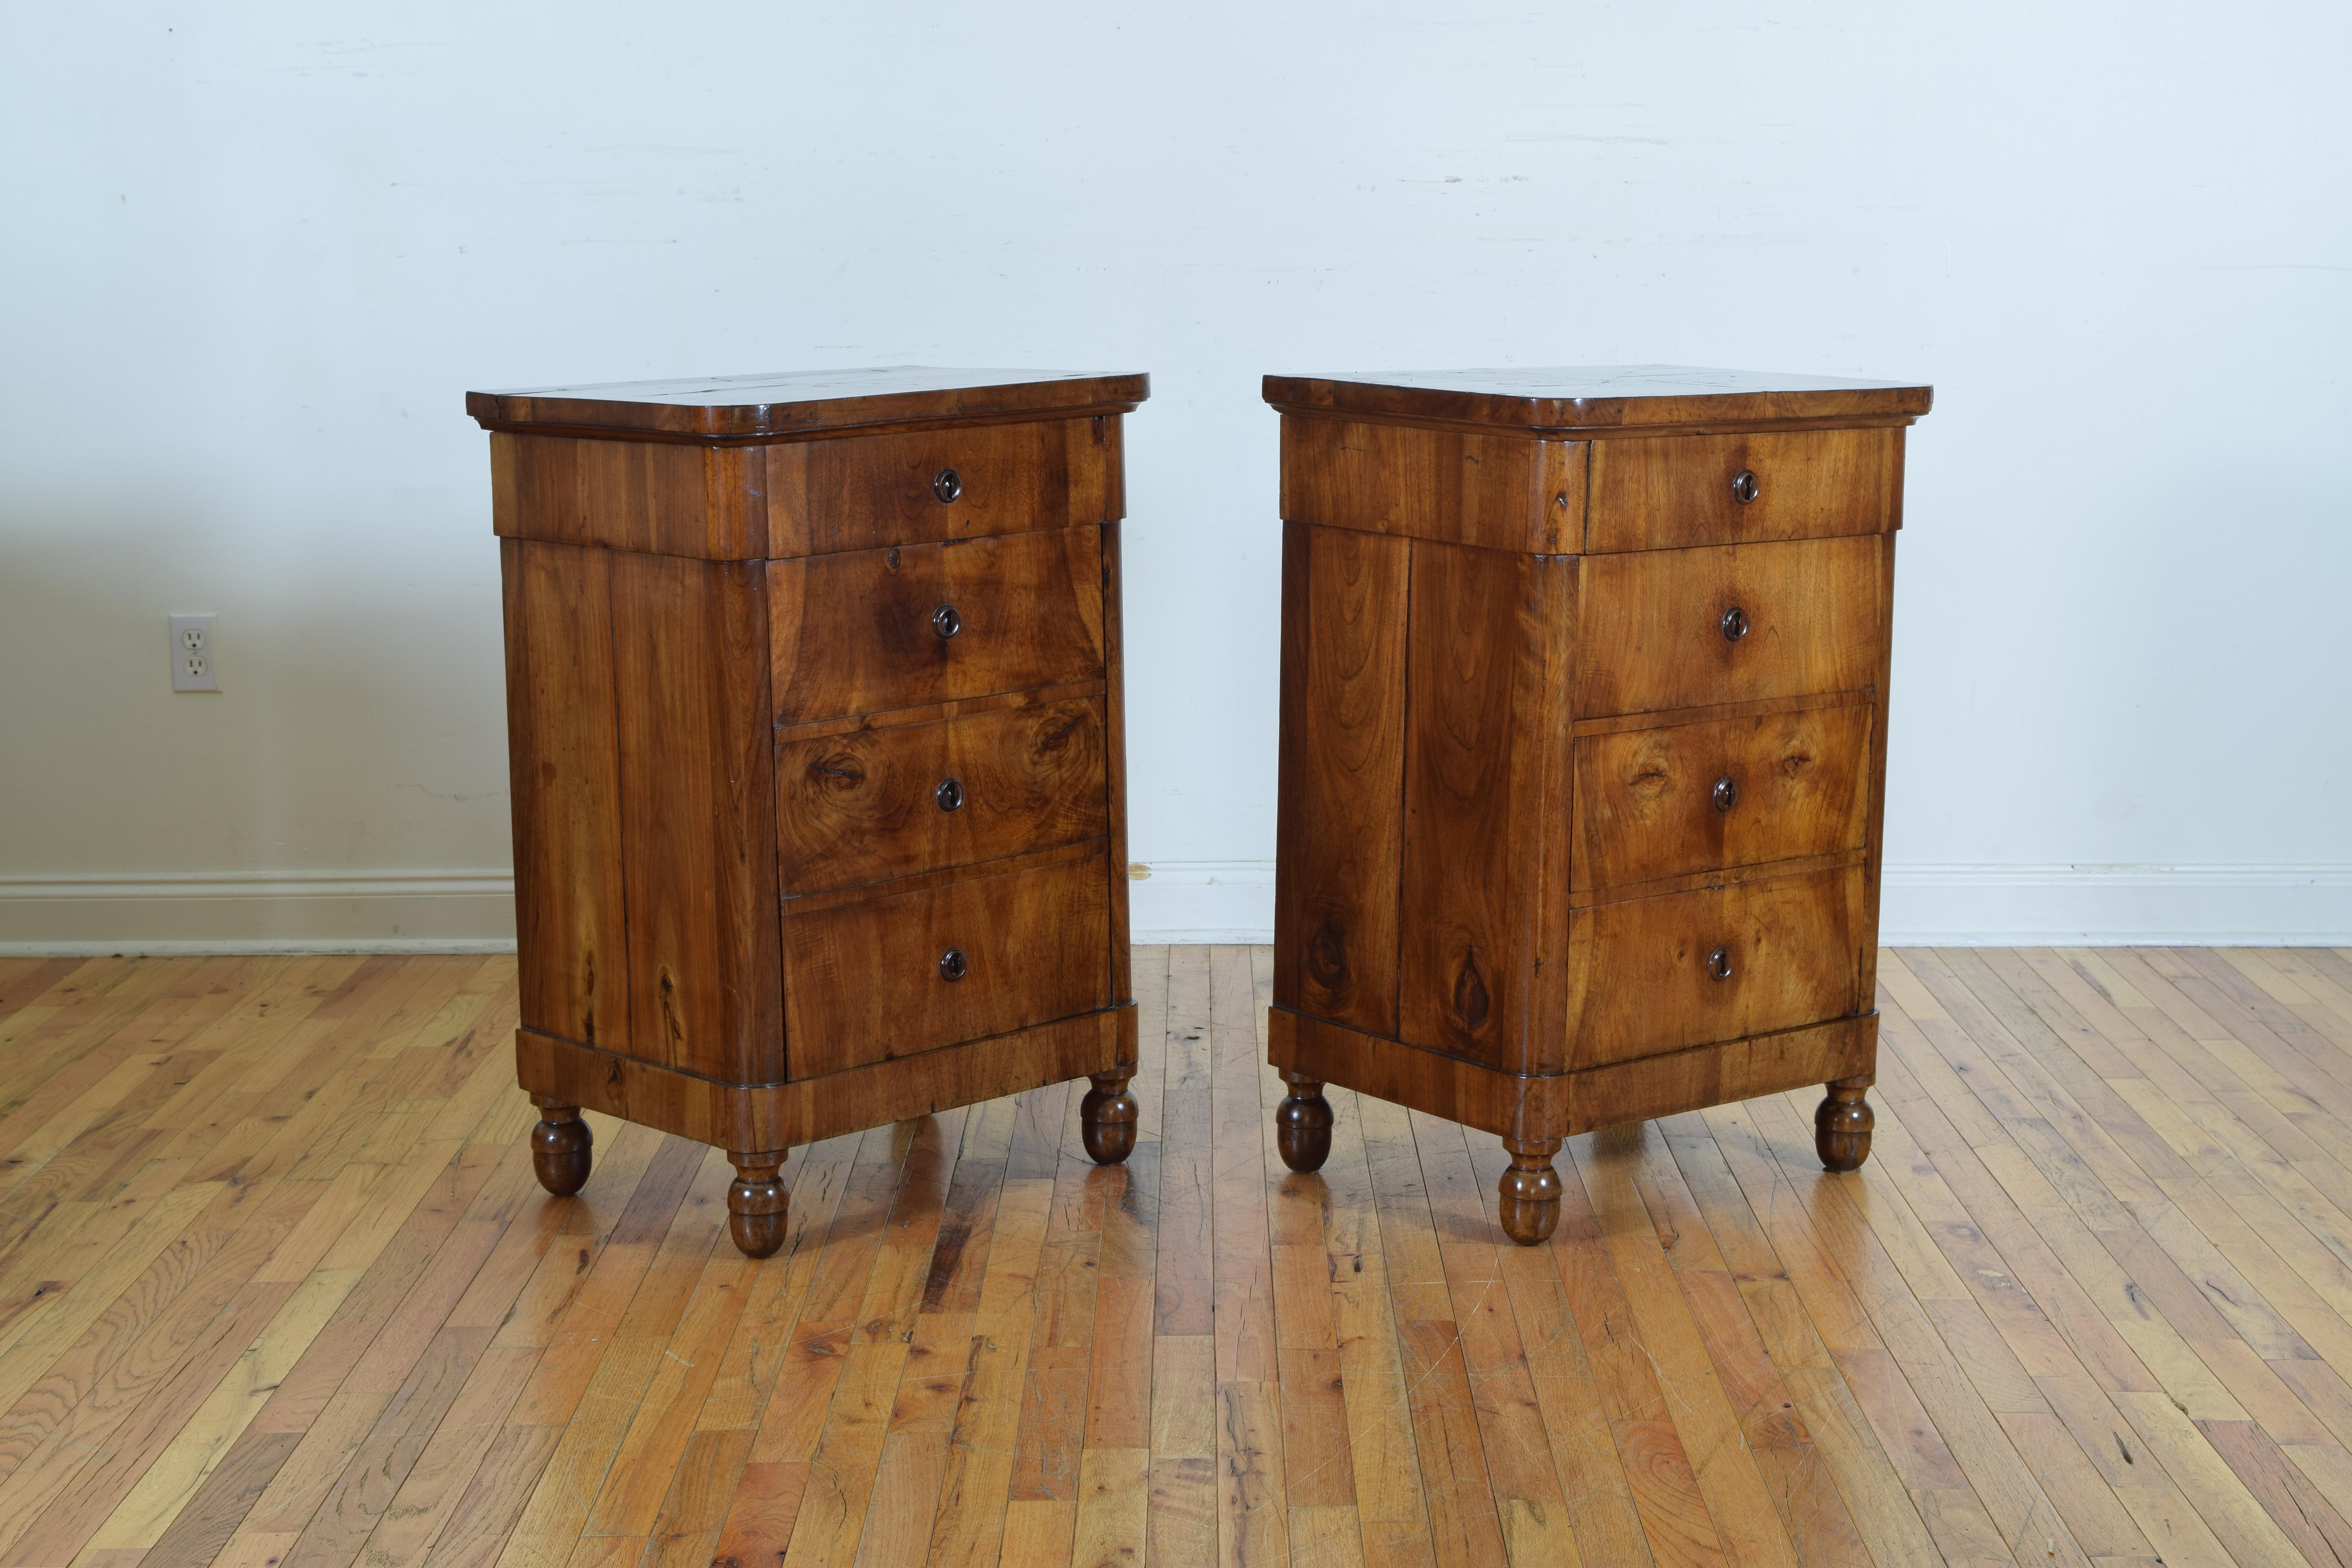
278,1290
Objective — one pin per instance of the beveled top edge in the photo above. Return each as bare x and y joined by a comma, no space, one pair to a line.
1578,397
785,402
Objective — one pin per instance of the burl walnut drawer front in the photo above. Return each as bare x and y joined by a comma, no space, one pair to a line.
1665,492
872,630
907,972
1653,804
858,807
1687,628
1651,975
962,483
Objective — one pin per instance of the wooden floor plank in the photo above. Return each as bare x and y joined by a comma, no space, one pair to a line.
278,1291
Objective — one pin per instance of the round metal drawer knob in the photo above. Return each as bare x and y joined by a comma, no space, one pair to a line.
1735,624
953,964
949,795
946,622
1718,964
1726,794
946,484
1744,487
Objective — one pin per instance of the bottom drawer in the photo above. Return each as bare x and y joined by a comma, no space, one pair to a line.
1657,974
871,981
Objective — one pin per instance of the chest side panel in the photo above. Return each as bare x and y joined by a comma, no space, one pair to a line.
1481,722
570,925
698,813
1339,825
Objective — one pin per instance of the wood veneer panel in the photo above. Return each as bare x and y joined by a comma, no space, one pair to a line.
1652,624
1645,799
1638,975
1667,492
1114,743
1501,492
1344,721
867,985
865,806
562,752
650,497
854,632
880,490
1473,798
699,816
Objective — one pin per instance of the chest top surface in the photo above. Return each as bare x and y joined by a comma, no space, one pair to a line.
1599,398
790,402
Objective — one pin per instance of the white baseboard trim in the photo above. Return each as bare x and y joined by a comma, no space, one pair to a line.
1180,901
197,912
1949,906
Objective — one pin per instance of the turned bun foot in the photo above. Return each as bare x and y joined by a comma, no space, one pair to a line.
1842,1126
561,1148
1302,1125
757,1203
1107,1118
1530,1189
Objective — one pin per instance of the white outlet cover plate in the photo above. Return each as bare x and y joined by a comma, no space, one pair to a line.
192,667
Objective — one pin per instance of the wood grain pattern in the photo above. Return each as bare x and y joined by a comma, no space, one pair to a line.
880,489
1341,867
1642,976
2086,1307
868,983
854,632
1647,800
1670,492
1653,634
865,805
1498,492
699,823
703,503
563,751
1600,398
1476,696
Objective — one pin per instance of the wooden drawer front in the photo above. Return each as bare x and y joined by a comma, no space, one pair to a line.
1639,978
869,804
1652,624
863,981
1666,492
856,633
867,491
1651,804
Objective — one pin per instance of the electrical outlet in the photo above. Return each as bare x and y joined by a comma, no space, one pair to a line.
192,653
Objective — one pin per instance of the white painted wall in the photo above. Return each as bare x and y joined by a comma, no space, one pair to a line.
252,257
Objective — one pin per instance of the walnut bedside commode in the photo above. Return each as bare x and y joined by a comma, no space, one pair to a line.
812,697
1583,749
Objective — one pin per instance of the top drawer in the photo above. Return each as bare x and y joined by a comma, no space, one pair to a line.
961,482
1668,491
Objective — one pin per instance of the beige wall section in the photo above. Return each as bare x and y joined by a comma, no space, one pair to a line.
252,257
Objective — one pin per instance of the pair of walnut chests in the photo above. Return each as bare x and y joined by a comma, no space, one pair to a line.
1582,750
813,706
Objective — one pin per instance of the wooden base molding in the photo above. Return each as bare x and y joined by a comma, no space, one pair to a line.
779,1116
1561,1105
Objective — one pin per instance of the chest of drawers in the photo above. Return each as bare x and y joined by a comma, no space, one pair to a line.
814,703
1582,749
